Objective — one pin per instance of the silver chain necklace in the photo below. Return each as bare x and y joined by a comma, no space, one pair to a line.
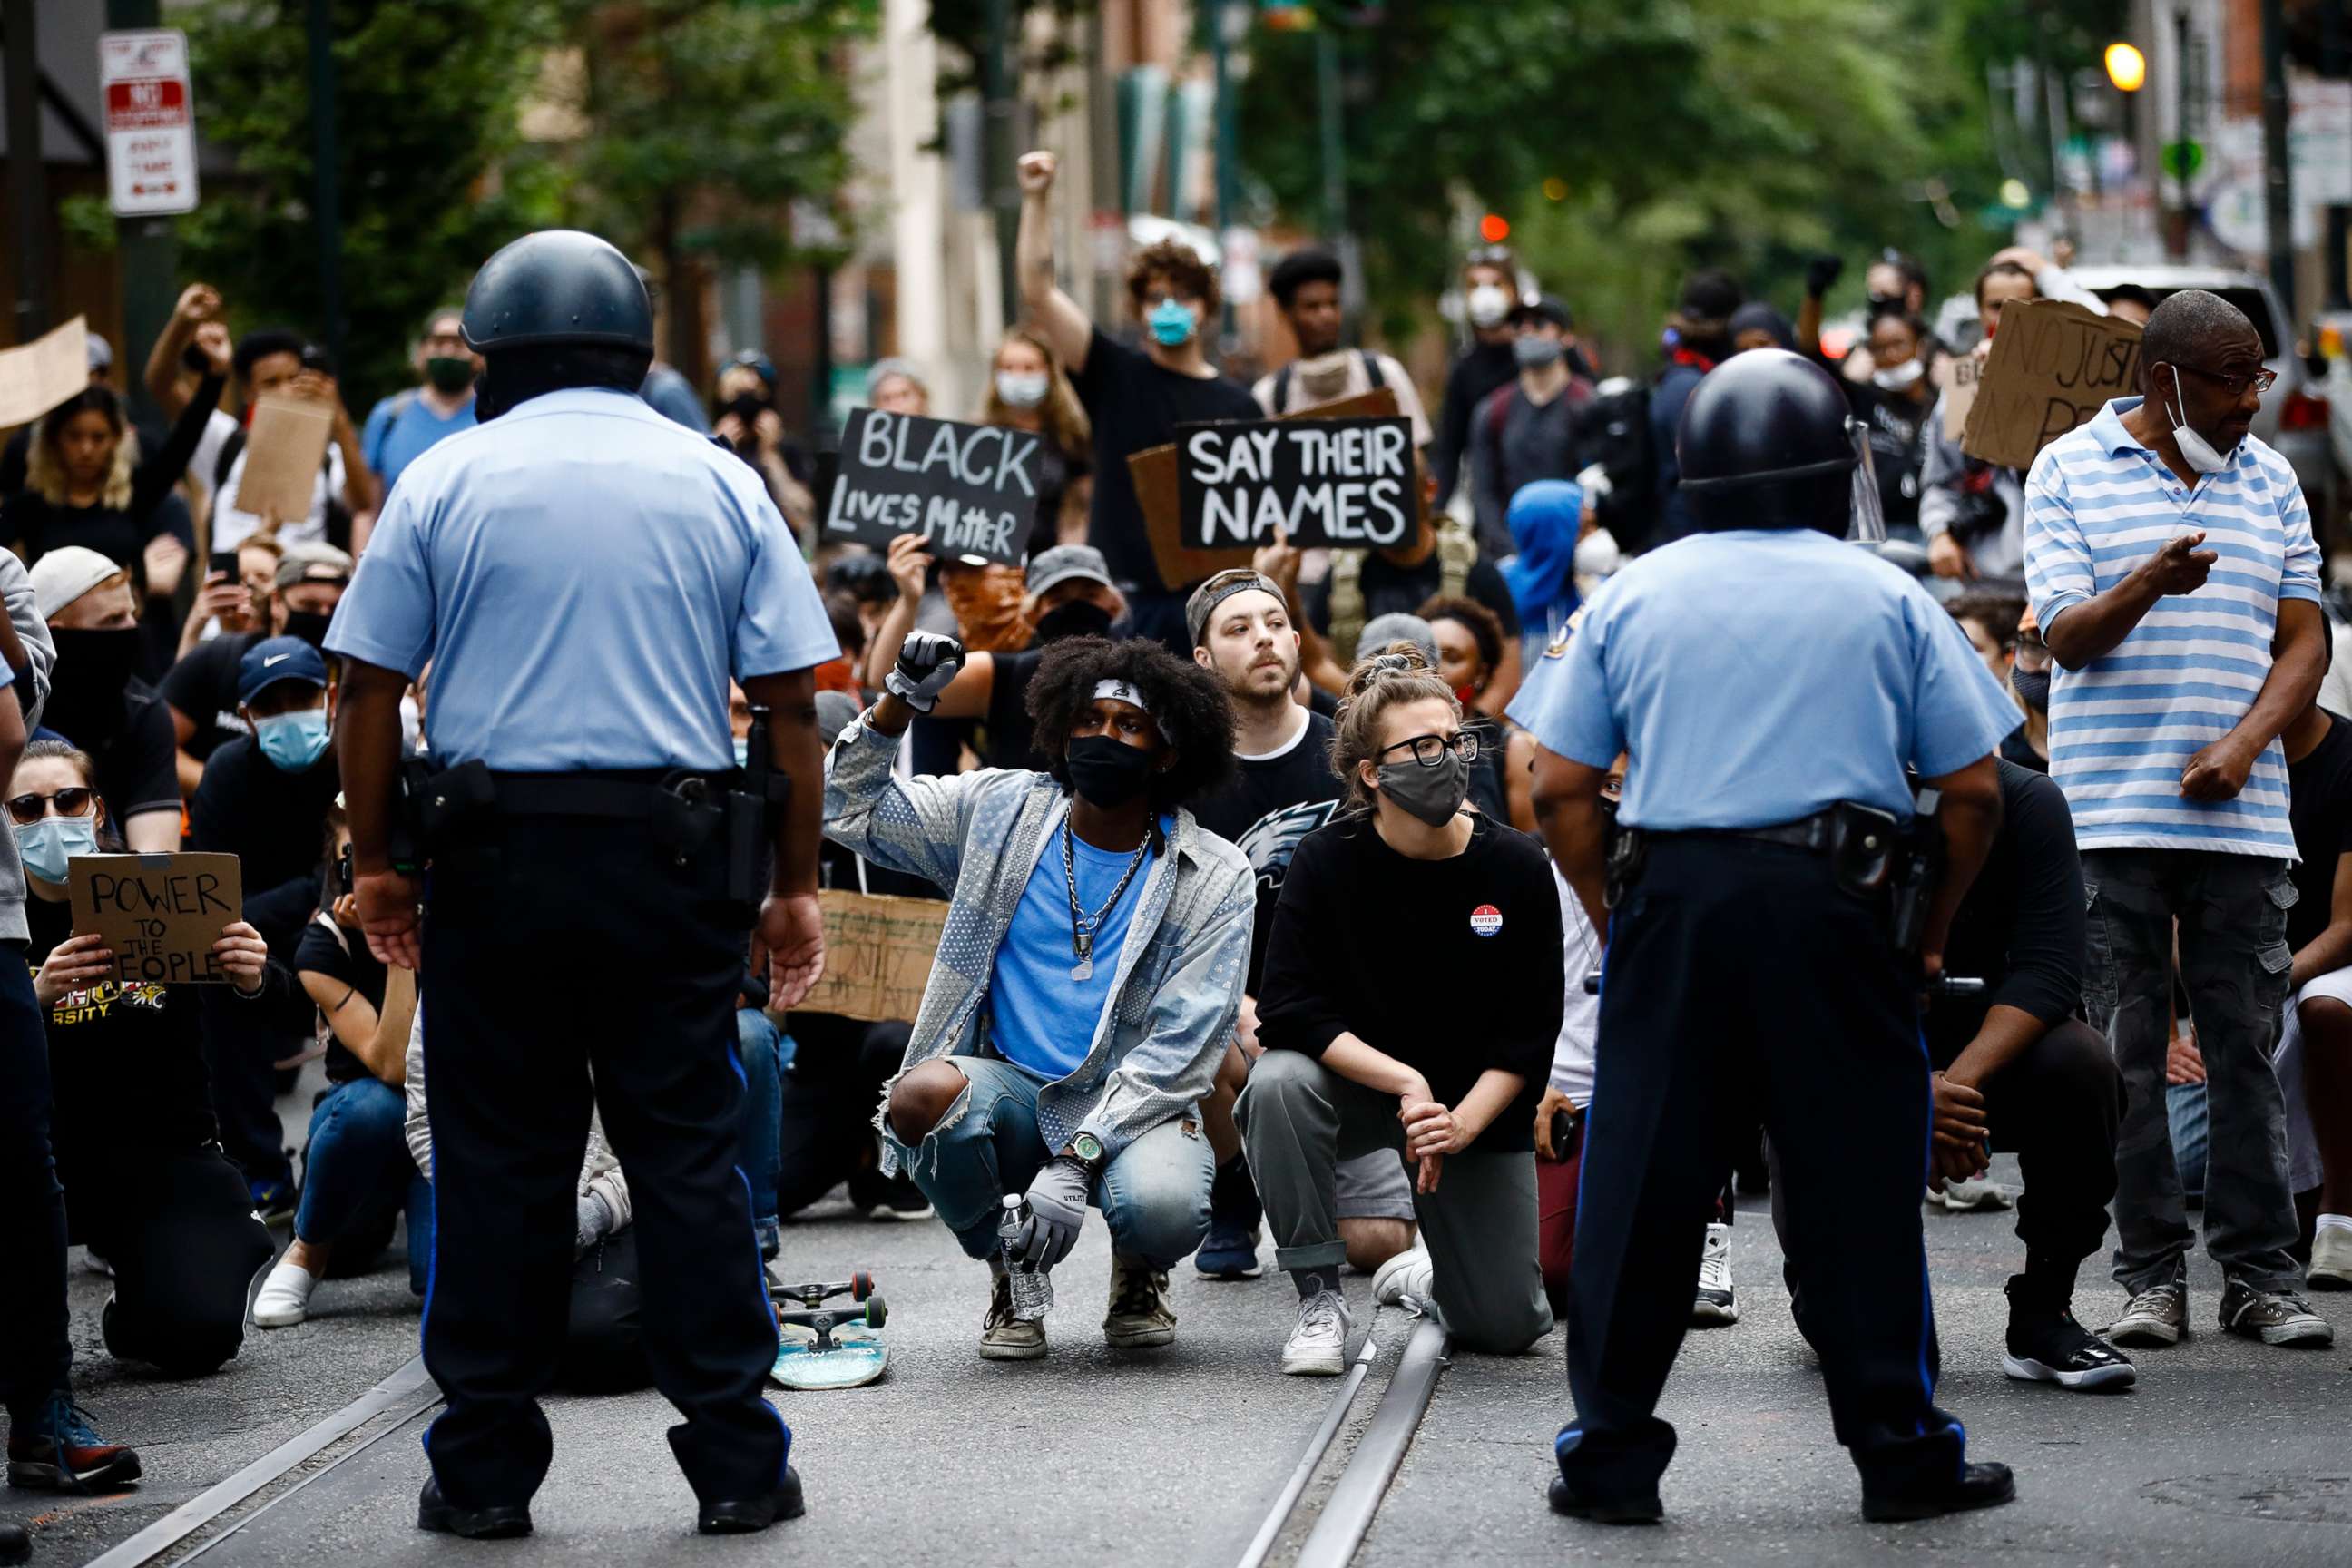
1082,925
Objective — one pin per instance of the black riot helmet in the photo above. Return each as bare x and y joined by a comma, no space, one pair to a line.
1767,441
559,285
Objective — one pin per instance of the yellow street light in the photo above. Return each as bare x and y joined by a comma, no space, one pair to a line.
2126,68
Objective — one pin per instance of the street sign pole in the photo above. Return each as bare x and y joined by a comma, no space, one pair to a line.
148,254
28,182
2277,194
326,178
1222,20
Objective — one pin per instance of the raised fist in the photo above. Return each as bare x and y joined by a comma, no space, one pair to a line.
928,661
1037,172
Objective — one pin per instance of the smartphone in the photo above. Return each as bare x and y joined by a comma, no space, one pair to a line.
343,869
1563,1127
222,563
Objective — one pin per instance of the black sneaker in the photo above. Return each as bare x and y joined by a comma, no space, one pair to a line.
755,1514
501,1521
877,1196
1618,1511
1977,1486
2052,1347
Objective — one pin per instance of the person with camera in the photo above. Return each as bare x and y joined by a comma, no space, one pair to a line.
743,415
1063,1055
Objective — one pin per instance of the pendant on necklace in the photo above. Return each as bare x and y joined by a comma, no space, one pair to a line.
1083,970
1085,967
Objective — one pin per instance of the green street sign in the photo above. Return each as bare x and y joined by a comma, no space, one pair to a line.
2181,159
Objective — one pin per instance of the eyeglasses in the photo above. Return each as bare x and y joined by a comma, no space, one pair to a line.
2236,385
2032,654
1429,750
74,800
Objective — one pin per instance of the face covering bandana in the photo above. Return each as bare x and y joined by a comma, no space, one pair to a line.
2033,688
452,373
1534,352
49,843
1899,378
1489,304
1024,389
989,606
1106,771
1078,618
93,669
292,742
309,625
2197,451
1171,321
1433,795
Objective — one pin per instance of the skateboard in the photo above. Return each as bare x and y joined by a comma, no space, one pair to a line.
822,1346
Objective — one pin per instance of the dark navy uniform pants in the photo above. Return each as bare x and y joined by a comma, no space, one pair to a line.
553,946
1740,978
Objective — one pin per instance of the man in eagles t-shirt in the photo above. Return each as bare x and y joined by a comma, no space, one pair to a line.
1285,790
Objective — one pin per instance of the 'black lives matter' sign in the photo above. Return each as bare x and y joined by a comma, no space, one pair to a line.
1338,482
970,489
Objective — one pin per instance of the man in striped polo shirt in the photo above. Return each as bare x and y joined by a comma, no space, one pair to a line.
2171,564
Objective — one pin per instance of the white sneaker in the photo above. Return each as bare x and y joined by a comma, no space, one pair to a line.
1714,1302
1964,1198
2331,1255
1405,1280
284,1298
1317,1347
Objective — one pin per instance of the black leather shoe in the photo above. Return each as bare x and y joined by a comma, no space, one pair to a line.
1977,1486
744,1518
502,1521
1621,1510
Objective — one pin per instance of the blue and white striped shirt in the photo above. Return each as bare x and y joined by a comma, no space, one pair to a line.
2122,728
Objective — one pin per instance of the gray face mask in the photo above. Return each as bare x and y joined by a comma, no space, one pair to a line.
1533,352
1433,795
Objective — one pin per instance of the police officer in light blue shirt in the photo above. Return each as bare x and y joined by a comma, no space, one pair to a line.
583,576
1772,684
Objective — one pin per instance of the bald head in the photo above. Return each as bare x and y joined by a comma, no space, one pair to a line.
2197,329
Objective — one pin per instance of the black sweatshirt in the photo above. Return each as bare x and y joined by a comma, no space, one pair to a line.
2020,930
30,520
1453,967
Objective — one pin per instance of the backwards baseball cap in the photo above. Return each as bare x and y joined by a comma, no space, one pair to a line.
1543,308
100,352
1397,625
1217,590
66,574
274,659
1048,568
314,563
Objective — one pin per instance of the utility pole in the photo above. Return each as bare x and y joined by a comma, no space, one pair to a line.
326,200
1220,23
2176,232
999,154
2335,64
2278,191
147,252
27,180
1332,112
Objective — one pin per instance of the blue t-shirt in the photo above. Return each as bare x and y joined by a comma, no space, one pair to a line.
400,428
1044,1019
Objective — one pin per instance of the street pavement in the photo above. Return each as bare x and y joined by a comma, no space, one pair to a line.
2229,1452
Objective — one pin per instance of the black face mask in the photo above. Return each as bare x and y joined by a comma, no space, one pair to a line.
86,691
309,625
1886,305
1106,771
2033,688
1078,618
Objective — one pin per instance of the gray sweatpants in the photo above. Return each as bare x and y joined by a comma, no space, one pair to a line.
1299,1120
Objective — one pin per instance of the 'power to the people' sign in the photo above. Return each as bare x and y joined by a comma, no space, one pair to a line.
151,121
1338,482
970,489
160,913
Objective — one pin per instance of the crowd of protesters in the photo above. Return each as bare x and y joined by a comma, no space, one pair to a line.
1181,829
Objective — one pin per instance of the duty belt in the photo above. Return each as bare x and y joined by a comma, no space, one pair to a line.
1816,833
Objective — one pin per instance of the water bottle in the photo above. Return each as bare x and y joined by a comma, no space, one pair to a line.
1033,1291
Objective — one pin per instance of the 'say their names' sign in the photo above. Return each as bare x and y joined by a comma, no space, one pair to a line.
1344,483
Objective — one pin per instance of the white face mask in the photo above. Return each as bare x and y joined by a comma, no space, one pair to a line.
2198,450
1022,389
1489,303
1898,377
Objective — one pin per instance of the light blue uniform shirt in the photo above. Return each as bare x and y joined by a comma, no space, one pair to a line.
1758,676
401,428
1043,1019
583,575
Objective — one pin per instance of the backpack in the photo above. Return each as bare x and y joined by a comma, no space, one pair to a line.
1457,552
339,516
1283,377
1618,437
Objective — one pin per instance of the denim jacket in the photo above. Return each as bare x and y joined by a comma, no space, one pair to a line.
1181,969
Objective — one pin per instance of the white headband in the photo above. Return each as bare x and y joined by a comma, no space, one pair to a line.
1121,690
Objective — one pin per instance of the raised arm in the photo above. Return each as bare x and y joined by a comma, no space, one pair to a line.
1053,313
965,697
199,303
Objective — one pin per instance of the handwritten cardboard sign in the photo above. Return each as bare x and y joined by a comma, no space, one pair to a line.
1958,375
37,376
2054,366
970,489
160,913
1343,482
878,952
283,452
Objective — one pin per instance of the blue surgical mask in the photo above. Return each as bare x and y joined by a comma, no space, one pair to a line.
49,843
1171,323
293,741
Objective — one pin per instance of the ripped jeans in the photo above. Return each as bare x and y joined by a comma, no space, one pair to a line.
1154,1194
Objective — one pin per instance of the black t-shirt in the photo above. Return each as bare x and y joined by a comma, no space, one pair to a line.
1898,429
2016,748
139,769
1136,405
1274,803
202,687
327,949
274,823
2021,928
1388,588
1008,738
1056,469
1453,967
2319,806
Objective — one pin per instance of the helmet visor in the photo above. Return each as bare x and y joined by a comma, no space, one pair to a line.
1868,520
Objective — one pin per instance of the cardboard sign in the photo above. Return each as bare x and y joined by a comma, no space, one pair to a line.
1958,375
878,952
1343,482
283,453
2054,366
37,376
160,913
151,121
970,489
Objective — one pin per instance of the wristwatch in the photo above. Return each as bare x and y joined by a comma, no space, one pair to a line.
1087,1149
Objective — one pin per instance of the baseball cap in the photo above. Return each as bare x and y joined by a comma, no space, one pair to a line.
64,574
274,659
1397,625
1064,561
313,563
1543,308
101,352
1218,589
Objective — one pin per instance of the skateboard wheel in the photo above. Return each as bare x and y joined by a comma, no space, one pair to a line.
861,1284
877,1314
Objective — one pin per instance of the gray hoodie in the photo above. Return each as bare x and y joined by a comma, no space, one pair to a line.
32,695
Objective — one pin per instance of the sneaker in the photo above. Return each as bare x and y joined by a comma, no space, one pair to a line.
273,1202
2157,1316
2331,1256
1714,1303
2275,1318
1229,1253
877,1196
1405,1280
58,1452
1317,1346
2045,1347
1969,1196
1138,1318
285,1298
1567,1500
499,1521
1002,1336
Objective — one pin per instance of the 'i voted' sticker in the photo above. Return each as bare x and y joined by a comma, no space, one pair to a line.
1485,919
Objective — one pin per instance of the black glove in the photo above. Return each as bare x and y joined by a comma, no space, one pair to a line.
928,661
1821,274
